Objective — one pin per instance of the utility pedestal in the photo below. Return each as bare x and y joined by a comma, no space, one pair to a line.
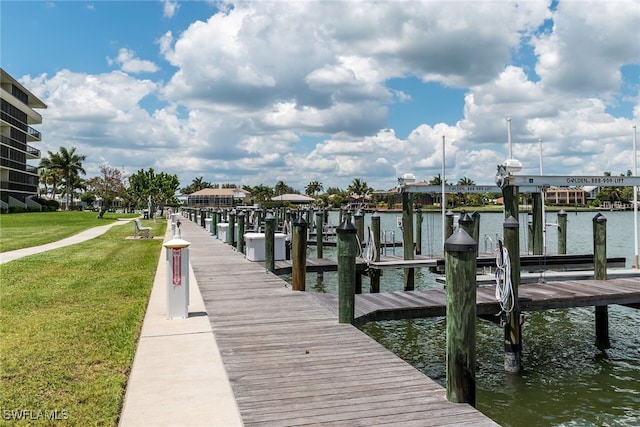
177,278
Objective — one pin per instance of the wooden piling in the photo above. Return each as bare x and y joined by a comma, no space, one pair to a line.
407,239
511,197
466,223
374,274
418,231
538,224
241,227
448,227
346,245
299,254
600,273
460,270
231,234
512,333
358,220
562,232
269,242
476,229
319,234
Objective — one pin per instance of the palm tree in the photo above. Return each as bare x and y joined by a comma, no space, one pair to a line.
49,175
466,181
313,188
68,163
359,187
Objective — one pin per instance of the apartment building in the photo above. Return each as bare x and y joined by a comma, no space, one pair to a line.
18,179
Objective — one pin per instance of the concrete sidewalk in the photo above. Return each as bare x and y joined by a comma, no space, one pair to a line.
77,238
178,378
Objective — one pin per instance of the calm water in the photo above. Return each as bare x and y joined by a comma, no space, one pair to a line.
566,379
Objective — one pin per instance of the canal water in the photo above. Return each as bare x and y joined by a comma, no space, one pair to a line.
566,379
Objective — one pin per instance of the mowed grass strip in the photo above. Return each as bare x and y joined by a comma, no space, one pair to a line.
69,323
25,230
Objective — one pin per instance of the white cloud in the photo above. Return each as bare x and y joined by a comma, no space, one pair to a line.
298,91
169,8
131,64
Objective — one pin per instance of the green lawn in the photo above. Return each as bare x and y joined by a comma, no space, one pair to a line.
25,230
70,319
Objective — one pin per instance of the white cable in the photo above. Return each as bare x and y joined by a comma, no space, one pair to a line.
369,253
504,287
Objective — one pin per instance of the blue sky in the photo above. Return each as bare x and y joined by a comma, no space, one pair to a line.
300,91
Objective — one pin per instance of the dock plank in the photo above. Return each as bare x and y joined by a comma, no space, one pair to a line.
290,362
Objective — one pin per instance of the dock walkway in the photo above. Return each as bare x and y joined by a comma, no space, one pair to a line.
532,297
290,362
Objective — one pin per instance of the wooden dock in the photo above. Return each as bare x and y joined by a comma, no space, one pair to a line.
532,297
291,363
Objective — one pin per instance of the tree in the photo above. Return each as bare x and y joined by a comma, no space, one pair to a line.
69,165
282,188
197,185
313,188
160,188
359,187
465,181
49,175
108,187
261,193
437,180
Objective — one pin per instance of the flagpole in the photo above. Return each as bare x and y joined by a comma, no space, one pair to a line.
443,201
635,196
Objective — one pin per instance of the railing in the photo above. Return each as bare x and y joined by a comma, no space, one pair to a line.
20,146
35,134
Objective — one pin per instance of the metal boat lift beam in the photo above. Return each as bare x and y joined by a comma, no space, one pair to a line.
571,181
452,189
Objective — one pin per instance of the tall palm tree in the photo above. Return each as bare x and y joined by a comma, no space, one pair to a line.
359,187
68,163
313,188
49,175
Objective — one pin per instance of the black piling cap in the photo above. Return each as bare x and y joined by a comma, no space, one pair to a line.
511,222
375,215
562,212
449,213
299,222
475,215
269,217
465,219
460,241
599,217
346,227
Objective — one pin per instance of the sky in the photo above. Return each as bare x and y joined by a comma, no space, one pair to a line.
259,92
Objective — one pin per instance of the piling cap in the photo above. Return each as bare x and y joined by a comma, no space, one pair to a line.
300,222
511,222
460,241
346,227
562,212
375,215
599,218
359,213
465,219
176,242
449,213
269,217
475,215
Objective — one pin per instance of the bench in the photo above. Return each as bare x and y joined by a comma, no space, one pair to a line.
140,230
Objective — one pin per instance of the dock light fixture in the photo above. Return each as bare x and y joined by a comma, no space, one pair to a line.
406,179
505,169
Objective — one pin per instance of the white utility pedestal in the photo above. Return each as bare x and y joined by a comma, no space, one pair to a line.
177,278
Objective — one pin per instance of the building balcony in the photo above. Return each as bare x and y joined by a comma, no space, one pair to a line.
32,153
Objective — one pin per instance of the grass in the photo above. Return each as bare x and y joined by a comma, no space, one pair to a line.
70,320
25,230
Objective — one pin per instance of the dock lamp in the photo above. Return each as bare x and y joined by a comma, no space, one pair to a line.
406,179
505,169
